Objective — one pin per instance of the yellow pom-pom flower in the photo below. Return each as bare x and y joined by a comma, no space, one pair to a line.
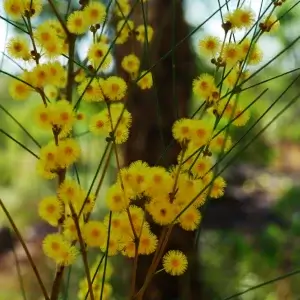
175,262
124,28
91,90
231,54
18,47
95,13
59,249
140,32
146,80
68,152
131,64
94,233
147,242
14,8
204,86
19,90
241,18
77,22
69,192
182,129
190,219
99,56
116,199
210,45
114,88
218,187
50,209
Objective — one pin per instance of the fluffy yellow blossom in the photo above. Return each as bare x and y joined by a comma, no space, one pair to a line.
131,64
95,13
210,45
114,88
14,8
50,209
94,233
141,31
204,86
175,262
77,22
146,80
18,47
99,56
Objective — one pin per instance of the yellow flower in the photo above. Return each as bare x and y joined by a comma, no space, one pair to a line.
14,8
113,245
95,13
121,134
201,133
69,192
114,88
221,142
60,250
68,152
122,10
231,54
99,56
190,219
91,90
161,211
182,129
77,22
40,76
141,33
210,45
124,29
50,209
270,24
115,198
18,47
43,116
201,166
241,18
44,34
204,86
99,124
218,187
51,92
19,90
94,233
175,262
34,6
131,64
49,156
56,74
147,242
146,81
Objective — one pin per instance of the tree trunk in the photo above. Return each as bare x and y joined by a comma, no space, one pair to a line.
154,112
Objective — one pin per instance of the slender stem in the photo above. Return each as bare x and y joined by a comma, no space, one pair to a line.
29,257
83,252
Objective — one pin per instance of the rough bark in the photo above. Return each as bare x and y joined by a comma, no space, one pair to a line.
154,113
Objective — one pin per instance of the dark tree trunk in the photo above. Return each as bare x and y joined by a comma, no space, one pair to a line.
154,113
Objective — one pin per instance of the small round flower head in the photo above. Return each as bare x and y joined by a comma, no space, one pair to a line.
49,156
59,249
113,245
201,166
131,64
140,33
161,211
190,219
116,199
241,18
231,54
91,90
221,142
114,88
69,192
44,34
175,262
95,13
18,47
77,22
241,117
99,56
251,52
270,24
51,92
68,152
124,29
218,187
70,230
40,76
201,132
43,117
122,10
210,45
147,242
182,129
204,86
14,8
50,209
94,233
99,124
146,80
19,90
121,134
56,74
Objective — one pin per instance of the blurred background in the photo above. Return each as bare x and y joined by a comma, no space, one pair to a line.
249,236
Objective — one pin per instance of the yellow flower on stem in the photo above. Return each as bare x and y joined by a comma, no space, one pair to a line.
94,233
50,209
175,262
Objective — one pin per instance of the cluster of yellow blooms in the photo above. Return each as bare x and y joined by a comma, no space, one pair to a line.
173,196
